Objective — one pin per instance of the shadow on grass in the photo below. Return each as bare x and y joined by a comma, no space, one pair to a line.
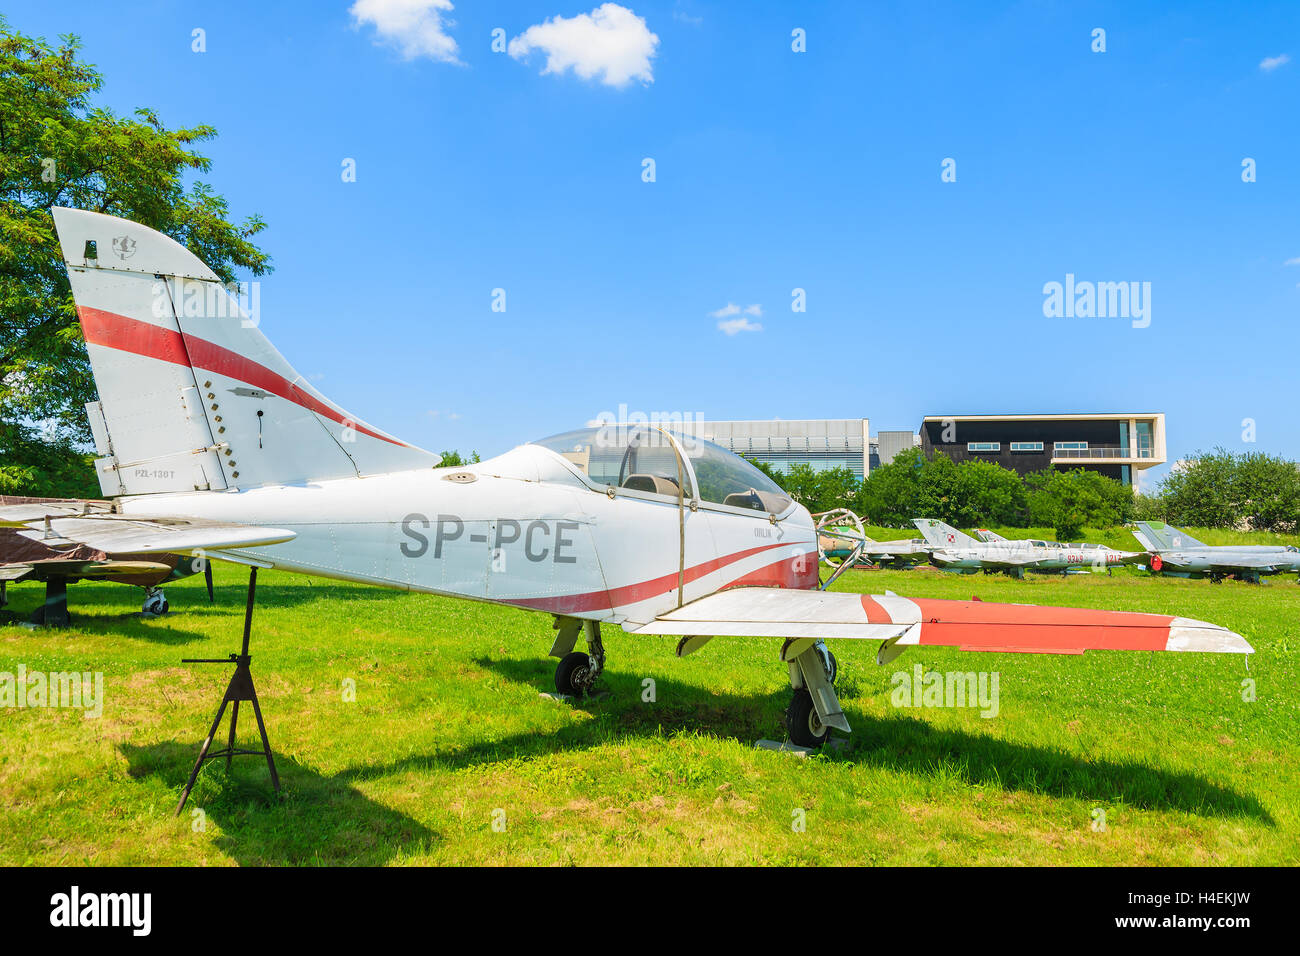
897,743
317,820
94,608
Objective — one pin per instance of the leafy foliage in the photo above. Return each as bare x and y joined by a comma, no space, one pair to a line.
1222,490
454,459
58,149
1069,500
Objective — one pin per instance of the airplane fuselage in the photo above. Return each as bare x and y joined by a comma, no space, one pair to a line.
521,529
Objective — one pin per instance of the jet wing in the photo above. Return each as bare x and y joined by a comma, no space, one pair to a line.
122,534
968,625
1252,563
14,572
1012,561
36,509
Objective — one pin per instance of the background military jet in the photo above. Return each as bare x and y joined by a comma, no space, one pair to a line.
954,550
1177,553
32,551
1098,555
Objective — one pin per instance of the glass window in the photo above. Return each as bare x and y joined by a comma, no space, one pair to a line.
727,479
1026,446
984,446
636,457
1144,439
1072,445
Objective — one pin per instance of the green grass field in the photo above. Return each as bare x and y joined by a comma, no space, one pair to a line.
448,733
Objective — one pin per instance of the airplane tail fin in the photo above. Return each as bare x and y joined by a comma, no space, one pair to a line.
1158,536
943,536
192,395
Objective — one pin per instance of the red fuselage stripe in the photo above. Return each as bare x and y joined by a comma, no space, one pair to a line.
632,593
144,338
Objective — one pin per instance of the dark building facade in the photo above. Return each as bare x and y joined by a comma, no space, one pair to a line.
1117,445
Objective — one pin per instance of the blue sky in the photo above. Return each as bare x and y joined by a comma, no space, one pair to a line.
774,170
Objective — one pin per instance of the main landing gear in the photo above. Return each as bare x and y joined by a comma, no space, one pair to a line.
814,709
577,672
155,602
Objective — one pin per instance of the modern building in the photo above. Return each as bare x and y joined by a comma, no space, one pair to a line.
821,443
1116,444
887,444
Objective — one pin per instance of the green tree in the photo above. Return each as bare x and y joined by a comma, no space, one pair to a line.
1070,500
987,493
892,494
453,459
1219,489
1266,492
58,149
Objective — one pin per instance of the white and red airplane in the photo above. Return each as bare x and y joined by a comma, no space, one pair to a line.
210,442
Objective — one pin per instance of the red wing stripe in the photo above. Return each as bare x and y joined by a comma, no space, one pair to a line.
976,626
632,593
144,338
875,613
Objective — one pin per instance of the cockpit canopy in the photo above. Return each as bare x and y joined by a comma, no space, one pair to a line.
644,458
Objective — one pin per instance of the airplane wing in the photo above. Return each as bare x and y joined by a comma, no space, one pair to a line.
1252,563
123,534
16,512
14,572
969,625
1012,561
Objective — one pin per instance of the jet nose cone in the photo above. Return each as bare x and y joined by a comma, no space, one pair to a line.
1187,634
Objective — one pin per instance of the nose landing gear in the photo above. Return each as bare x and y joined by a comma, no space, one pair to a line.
577,672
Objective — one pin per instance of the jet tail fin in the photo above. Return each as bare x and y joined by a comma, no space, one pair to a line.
943,536
1158,536
192,395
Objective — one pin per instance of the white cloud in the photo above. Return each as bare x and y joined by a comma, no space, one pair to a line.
416,27
1271,63
732,326
731,308
1292,262
611,44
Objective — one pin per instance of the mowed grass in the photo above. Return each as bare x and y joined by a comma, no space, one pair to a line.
448,734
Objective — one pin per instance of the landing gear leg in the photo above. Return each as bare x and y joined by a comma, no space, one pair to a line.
814,709
54,613
155,602
577,672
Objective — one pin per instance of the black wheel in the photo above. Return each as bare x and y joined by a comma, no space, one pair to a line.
835,667
571,674
801,720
